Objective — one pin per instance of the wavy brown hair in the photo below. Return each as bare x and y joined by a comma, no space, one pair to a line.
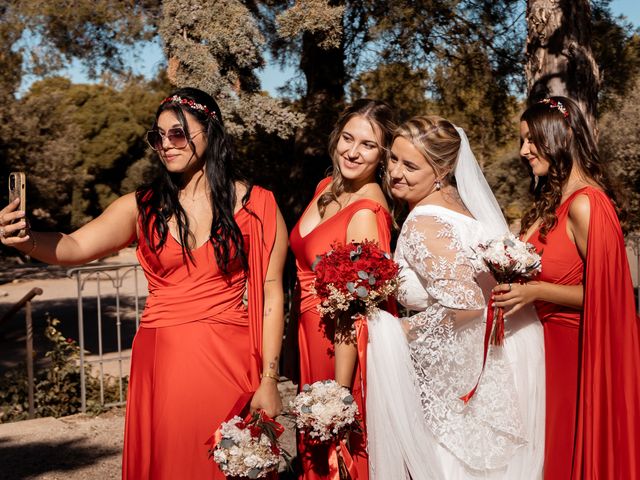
382,118
564,140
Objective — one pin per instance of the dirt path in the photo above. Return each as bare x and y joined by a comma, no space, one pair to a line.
78,447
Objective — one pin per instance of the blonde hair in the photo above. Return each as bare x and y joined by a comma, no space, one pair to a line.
437,140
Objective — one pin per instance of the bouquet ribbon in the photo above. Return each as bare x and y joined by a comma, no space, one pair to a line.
347,459
487,337
362,338
262,417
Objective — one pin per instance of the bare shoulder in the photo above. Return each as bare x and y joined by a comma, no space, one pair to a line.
580,209
124,209
126,204
364,215
363,225
578,221
374,192
241,190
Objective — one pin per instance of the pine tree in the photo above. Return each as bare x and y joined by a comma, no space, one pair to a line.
217,46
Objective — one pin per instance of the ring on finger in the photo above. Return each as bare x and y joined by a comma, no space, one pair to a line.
2,232
509,288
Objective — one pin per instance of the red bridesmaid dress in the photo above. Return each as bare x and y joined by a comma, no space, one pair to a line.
316,349
196,357
593,388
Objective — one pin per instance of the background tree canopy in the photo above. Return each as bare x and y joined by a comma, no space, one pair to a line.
83,145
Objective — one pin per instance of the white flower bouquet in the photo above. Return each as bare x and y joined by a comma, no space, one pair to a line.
510,260
325,411
248,447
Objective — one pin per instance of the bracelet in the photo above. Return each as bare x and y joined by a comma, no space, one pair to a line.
33,246
270,375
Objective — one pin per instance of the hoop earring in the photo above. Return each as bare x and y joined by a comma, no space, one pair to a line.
438,185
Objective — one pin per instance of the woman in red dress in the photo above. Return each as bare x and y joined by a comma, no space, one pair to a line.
206,239
584,298
348,206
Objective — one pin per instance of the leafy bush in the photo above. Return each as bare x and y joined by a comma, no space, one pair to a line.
57,386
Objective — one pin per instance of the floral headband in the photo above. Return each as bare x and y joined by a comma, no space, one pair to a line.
558,105
191,104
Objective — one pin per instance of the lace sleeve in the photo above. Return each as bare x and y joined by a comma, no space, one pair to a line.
433,249
446,347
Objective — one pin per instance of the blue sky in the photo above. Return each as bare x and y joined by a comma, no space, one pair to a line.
147,60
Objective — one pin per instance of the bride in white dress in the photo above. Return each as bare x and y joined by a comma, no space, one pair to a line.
419,366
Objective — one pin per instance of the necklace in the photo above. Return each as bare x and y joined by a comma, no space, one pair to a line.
193,199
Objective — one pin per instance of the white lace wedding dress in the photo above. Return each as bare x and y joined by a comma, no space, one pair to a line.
418,367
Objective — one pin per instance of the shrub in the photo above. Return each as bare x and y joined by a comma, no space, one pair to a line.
57,385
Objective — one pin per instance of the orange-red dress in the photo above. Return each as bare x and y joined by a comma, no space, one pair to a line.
593,388
316,349
196,357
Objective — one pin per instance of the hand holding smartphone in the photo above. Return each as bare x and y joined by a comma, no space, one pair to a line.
18,189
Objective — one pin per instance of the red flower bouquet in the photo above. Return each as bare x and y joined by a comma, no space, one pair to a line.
354,278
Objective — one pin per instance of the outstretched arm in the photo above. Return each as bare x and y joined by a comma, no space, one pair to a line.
114,229
267,396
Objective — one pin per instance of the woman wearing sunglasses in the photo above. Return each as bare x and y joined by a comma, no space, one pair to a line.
207,241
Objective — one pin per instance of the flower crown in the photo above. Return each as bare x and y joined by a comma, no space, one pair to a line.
556,104
191,104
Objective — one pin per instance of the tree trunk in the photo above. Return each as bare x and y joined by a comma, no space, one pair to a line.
325,75
324,71
559,56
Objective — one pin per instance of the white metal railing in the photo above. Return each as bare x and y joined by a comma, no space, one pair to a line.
108,278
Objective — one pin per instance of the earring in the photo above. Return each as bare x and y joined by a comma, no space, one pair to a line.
438,185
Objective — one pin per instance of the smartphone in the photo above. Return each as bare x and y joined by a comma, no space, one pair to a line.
18,189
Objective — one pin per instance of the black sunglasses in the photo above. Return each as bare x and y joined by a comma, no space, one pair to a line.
177,138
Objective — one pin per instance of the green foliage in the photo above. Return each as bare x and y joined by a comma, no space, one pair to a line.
397,84
217,46
619,133
469,93
58,31
509,179
77,143
57,386
616,47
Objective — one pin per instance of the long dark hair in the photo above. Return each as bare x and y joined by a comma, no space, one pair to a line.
562,136
379,114
158,202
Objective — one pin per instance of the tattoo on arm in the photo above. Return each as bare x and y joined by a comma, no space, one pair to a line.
273,364
268,311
